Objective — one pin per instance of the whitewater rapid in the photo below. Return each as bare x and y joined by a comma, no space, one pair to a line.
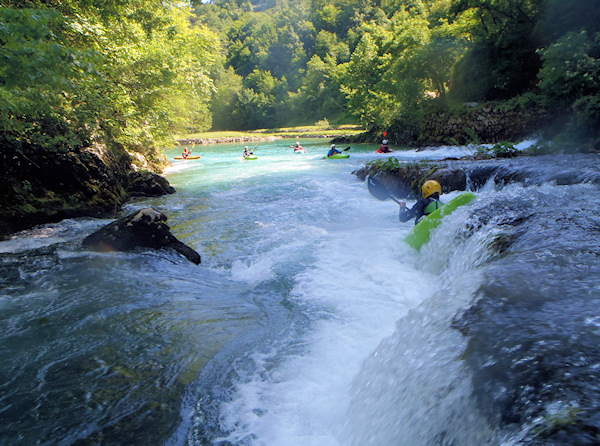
310,321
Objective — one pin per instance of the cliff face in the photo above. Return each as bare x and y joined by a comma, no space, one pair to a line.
40,186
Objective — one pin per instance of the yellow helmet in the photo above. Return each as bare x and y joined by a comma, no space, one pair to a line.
430,187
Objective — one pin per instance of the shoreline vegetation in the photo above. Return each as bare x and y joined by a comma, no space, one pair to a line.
315,131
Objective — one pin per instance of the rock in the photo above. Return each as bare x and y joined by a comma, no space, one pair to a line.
41,184
406,181
143,183
145,228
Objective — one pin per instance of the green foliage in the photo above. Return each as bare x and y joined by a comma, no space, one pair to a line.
74,71
41,76
472,137
571,69
502,61
587,111
136,72
539,148
400,64
570,81
390,164
328,44
560,17
503,149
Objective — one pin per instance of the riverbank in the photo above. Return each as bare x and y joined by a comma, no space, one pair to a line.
315,131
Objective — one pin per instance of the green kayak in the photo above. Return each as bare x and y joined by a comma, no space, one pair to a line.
337,156
251,157
421,232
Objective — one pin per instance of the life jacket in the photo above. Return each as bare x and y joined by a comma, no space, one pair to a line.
435,204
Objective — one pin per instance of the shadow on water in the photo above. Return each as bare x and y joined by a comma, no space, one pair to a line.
533,328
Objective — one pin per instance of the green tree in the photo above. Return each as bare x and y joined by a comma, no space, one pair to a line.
43,80
328,44
502,61
228,85
384,78
571,69
111,71
320,95
252,110
159,80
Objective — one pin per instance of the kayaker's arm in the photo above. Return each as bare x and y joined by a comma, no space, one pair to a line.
416,211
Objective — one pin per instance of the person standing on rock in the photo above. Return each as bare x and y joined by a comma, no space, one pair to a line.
431,192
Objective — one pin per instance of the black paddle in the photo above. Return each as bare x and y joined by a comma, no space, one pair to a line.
378,190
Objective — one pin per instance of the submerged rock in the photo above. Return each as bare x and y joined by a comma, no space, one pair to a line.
145,228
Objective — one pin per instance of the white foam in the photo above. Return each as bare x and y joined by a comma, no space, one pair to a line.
50,234
363,282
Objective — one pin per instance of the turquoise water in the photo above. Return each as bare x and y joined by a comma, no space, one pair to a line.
309,321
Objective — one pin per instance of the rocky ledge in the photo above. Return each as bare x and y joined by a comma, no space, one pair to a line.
404,180
40,186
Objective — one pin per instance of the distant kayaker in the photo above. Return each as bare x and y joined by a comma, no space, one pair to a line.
333,150
298,147
248,152
431,191
186,152
384,147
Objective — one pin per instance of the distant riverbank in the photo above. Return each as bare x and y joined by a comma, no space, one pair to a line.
316,131
226,139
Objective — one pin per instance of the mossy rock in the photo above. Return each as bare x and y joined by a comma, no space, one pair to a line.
40,185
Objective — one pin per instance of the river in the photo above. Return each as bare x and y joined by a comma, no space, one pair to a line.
309,321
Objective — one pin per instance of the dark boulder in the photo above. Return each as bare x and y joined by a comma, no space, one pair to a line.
144,183
145,228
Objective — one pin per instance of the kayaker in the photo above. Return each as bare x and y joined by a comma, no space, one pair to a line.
298,148
431,191
247,152
384,147
186,152
333,151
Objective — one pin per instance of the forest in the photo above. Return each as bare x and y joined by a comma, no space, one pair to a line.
134,73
